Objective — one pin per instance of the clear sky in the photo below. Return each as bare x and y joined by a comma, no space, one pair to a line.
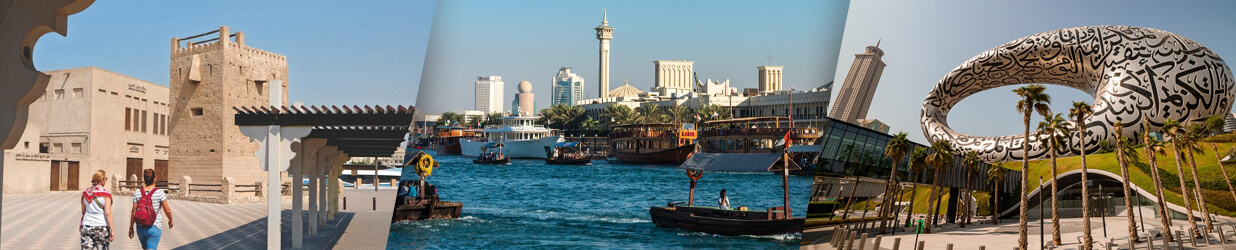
353,52
532,39
924,40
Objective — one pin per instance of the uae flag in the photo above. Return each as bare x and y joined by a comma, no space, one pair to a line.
787,139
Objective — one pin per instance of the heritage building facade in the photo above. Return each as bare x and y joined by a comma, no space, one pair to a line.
207,79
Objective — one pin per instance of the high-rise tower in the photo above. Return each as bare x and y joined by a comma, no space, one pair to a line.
568,88
604,33
488,94
859,86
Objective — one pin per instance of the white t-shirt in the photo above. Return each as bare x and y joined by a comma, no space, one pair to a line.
724,202
156,202
94,208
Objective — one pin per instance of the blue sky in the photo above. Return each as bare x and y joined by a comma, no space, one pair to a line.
532,39
363,52
923,40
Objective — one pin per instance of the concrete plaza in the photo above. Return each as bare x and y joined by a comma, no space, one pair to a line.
1004,235
49,221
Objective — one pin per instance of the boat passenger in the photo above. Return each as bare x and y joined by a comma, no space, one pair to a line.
724,201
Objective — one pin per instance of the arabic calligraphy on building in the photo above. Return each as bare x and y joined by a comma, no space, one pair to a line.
31,157
137,88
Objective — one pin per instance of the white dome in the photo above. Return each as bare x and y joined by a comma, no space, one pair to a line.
525,86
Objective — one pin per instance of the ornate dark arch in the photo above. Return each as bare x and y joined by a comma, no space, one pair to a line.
1132,72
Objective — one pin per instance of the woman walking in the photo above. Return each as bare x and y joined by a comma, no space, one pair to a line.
147,202
96,223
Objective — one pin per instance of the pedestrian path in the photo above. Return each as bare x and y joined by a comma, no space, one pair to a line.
49,221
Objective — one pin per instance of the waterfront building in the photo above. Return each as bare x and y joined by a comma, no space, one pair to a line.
568,87
488,94
524,104
672,77
1229,123
90,119
604,34
859,86
770,78
208,78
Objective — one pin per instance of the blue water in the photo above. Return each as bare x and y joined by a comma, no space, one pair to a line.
528,204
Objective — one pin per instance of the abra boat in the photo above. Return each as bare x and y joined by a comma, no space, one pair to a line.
566,153
425,204
730,222
652,143
448,137
523,139
752,135
492,154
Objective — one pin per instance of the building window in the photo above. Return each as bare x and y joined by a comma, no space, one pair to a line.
143,121
57,148
196,111
59,94
128,116
163,125
156,124
76,147
259,85
136,119
27,145
78,93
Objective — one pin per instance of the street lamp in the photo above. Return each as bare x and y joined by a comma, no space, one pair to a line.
1042,239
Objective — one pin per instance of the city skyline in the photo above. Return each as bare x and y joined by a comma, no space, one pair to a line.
533,48
927,40
371,45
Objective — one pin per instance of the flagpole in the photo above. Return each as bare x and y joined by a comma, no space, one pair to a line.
792,107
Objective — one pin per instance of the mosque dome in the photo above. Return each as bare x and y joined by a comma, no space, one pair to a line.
625,91
525,86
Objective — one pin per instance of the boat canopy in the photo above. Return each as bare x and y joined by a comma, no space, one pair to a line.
494,144
740,162
640,125
566,144
749,119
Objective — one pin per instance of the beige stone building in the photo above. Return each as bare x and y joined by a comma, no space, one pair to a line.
89,119
208,77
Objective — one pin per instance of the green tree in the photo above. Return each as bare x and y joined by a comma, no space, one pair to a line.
1124,153
590,125
918,164
651,113
995,175
1079,112
1214,124
451,119
971,163
940,159
896,150
475,120
1191,140
1052,131
494,118
1033,100
616,114
1177,131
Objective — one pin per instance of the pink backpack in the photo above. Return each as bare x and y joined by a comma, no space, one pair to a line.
145,213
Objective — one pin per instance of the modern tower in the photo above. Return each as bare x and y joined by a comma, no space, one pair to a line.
604,34
489,94
770,78
568,87
859,86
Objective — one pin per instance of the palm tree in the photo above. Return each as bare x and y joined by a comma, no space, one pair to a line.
1125,152
896,150
1176,130
616,114
1079,112
971,162
1226,180
494,118
1033,100
918,164
995,175
590,125
941,159
475,120
451,118
1192,143
1153,149
651,113
1052,130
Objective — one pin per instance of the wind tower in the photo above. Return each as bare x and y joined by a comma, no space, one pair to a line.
604,34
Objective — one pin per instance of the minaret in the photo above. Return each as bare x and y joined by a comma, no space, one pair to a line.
604,33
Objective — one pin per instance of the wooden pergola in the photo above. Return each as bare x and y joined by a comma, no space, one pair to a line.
321,138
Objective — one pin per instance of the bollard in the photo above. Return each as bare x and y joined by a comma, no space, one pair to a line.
345,203
375,203
1222,237
1207,236
1179,239
1166,244
1193,240
876,245
921,245
950,246
849,245
1149,241
896,243
862,241
1110,243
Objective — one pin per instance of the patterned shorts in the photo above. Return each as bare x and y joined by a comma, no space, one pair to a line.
95,237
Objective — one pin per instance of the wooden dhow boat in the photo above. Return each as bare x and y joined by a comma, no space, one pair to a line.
652,143
566,153
731,222
425,204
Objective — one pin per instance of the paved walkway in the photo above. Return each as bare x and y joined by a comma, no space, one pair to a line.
49,221
1004,236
